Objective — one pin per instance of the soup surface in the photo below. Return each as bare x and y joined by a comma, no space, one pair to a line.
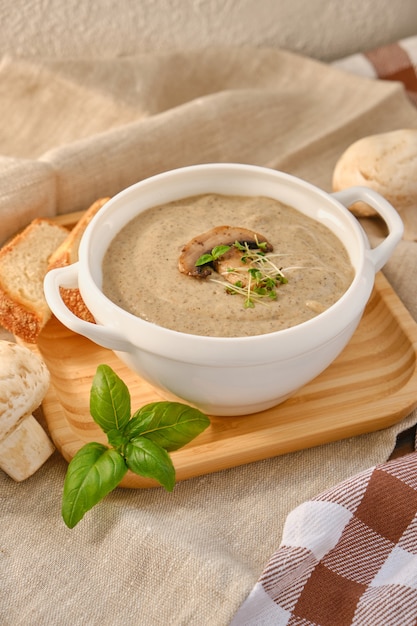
141,275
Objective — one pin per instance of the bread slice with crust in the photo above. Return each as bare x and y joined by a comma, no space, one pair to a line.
67,253
23,265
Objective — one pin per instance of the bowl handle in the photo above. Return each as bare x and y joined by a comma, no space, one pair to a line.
67,277
381,253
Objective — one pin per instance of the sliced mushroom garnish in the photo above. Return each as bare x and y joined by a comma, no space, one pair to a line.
217,236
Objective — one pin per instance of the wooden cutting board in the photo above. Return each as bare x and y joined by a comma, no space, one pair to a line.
370,386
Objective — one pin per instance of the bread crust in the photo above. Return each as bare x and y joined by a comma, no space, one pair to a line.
21,316
18,315
75,303
67,253
19,320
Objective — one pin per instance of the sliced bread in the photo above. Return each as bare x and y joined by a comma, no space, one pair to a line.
23,265
67,253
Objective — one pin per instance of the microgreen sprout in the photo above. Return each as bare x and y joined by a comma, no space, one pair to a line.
257,277
215,254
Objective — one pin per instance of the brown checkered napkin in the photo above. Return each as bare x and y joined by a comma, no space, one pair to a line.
396,61
347,557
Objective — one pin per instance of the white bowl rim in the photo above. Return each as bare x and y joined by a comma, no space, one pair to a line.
144,325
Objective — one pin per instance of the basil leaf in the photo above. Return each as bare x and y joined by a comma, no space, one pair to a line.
116,438
146,458
169,424
94,471
139,423
109,400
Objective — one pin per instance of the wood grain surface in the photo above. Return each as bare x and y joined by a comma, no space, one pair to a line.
370,386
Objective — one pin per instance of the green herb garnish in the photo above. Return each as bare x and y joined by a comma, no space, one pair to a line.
260,275
140,443
215,254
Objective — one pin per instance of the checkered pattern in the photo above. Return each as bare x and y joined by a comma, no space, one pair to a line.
347,557
396,61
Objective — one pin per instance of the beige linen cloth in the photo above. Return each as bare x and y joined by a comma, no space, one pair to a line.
74,131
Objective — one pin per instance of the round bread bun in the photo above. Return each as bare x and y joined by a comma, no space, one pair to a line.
386,163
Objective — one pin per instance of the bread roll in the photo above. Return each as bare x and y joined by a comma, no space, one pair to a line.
24,381
386,163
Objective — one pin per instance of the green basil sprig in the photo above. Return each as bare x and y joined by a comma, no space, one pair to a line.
140,442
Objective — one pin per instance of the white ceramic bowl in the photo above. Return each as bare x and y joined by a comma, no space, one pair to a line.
226,376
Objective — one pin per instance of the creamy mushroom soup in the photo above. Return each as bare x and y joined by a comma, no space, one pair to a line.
141,270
